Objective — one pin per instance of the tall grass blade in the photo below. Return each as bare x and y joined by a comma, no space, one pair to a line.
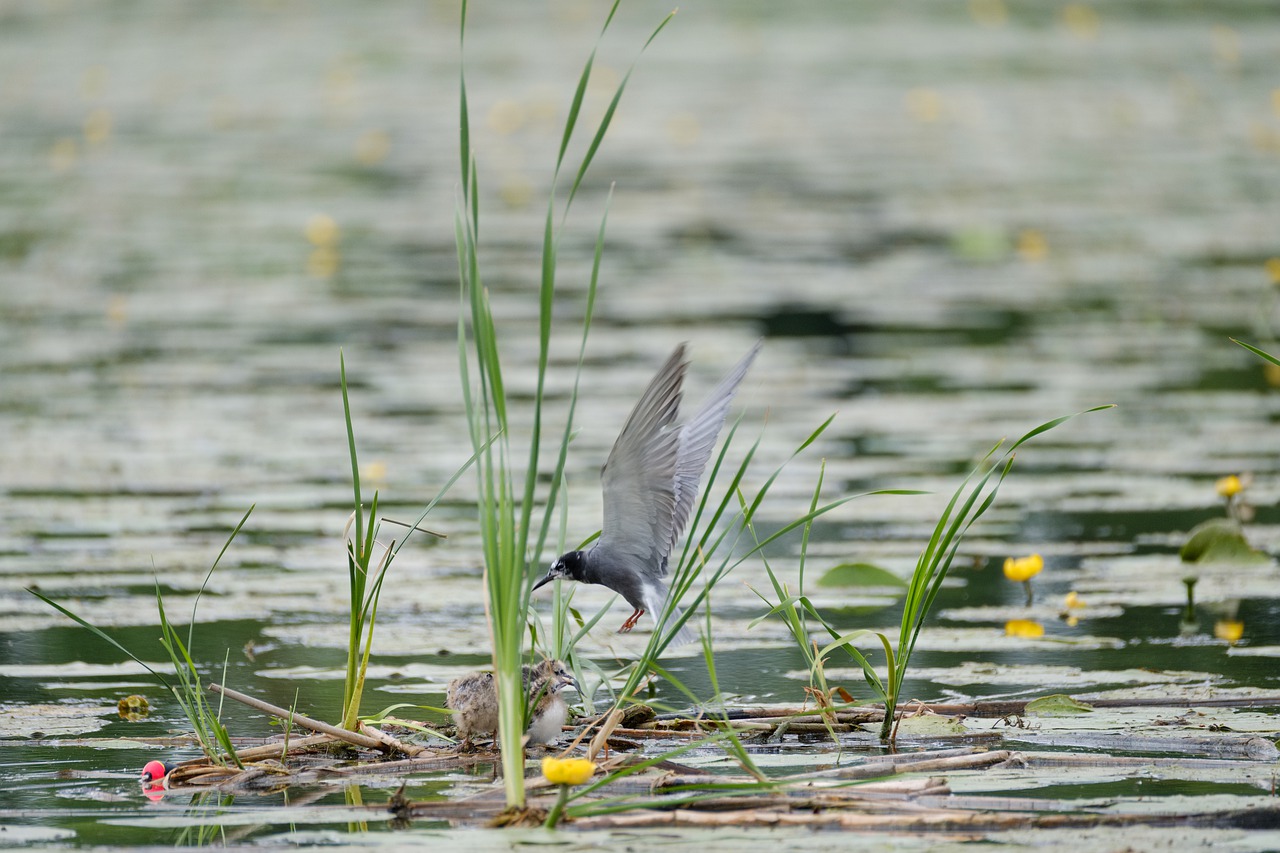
100,634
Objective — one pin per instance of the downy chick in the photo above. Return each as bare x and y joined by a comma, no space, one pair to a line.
473,698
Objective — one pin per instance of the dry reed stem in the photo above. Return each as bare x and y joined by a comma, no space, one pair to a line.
352,738
391,742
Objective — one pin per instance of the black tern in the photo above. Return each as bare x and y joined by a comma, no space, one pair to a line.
650,484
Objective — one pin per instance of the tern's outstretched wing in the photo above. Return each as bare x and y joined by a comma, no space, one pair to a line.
639,478
697,440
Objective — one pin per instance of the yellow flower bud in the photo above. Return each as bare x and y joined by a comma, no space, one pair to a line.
567,771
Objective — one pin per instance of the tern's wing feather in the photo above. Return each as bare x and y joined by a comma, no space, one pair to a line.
639,476
697,440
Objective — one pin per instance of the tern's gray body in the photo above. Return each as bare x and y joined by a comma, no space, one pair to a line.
650,484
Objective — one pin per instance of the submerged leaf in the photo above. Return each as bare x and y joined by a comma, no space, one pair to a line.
860,574
1057,705
930,725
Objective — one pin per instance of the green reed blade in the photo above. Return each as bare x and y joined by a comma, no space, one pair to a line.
1262,354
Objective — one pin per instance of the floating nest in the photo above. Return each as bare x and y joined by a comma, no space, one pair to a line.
877,791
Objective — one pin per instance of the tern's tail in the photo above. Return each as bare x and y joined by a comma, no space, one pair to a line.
655,600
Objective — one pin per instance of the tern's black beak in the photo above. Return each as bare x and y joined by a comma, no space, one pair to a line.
546,578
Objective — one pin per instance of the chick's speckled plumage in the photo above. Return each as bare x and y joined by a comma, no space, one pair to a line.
473,698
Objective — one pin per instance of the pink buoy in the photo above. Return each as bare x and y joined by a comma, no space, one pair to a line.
153,772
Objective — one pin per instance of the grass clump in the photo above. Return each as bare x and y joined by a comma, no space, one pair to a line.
973,497
512,534
367,564
187,689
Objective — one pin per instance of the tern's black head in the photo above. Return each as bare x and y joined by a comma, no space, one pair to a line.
572,565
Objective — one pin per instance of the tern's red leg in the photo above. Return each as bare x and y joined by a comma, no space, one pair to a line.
631,620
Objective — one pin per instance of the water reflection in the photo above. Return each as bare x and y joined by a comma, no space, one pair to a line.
206,830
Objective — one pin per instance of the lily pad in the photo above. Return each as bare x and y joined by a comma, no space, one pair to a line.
860,574
45,720
1219,540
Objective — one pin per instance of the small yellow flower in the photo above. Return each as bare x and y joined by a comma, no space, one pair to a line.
1229,630
507,116
1027,629
1229,486
63,154
97,127
372,147
1272,265
1081,20
322,232
567,771
1226,44
1032,245
1023,569
1071,604
989,13
924,105
683,129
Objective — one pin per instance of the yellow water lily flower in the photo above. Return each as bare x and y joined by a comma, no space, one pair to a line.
1026,628
1073,600
1229,486
567,771
1023,569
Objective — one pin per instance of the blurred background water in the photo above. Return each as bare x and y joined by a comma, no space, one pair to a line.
949,221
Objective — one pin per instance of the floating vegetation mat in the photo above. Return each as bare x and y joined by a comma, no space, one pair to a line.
973,770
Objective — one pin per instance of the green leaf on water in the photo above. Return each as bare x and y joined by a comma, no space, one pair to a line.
1057,705
981,244
860,574
1219,540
